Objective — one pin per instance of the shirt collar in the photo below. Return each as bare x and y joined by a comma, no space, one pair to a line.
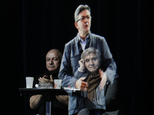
81,40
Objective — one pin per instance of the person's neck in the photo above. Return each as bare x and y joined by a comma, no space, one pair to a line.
96,72
83,35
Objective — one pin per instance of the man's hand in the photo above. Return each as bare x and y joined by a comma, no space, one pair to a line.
103,79
81,63
101,73
80,84
45,80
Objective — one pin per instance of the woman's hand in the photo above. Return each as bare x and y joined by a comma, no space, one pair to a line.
82,65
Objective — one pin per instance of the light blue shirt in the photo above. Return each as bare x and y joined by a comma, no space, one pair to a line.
82,42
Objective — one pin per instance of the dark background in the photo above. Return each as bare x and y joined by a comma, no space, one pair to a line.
29,28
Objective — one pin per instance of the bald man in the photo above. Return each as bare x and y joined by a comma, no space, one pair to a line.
60,103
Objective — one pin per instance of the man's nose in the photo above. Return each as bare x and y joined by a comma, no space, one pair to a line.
86,20
51,61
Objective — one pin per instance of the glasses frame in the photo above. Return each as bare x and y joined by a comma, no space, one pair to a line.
84,17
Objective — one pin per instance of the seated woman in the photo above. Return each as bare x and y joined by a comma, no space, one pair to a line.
92,81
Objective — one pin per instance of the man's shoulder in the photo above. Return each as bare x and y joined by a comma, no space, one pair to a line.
96,36
71,43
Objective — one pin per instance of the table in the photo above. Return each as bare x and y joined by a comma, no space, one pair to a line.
33,91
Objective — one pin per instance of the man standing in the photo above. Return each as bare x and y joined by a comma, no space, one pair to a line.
72,53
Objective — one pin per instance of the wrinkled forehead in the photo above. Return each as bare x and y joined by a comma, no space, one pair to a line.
90,55
84,13
52,54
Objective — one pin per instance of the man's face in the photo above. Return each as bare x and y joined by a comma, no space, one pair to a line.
92,63
84,22
52,61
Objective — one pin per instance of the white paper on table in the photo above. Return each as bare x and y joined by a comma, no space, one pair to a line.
73,89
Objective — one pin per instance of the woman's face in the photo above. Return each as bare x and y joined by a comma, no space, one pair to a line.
92,62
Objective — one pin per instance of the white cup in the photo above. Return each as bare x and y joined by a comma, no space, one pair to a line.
29,82
57,83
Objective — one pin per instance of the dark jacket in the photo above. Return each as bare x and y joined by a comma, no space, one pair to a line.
59,102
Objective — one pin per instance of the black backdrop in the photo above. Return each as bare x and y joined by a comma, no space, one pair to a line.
29,28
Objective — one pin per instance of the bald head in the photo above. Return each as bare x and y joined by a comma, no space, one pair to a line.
53,59
55,51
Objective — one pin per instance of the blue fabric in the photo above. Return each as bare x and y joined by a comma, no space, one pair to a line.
69,69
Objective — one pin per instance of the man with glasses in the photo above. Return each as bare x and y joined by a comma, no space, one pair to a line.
70,68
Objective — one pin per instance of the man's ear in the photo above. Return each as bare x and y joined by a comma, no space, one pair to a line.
76,25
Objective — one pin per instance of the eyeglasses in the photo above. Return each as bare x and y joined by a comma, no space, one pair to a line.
83,17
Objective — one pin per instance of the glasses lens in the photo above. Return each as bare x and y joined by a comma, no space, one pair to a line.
87,17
